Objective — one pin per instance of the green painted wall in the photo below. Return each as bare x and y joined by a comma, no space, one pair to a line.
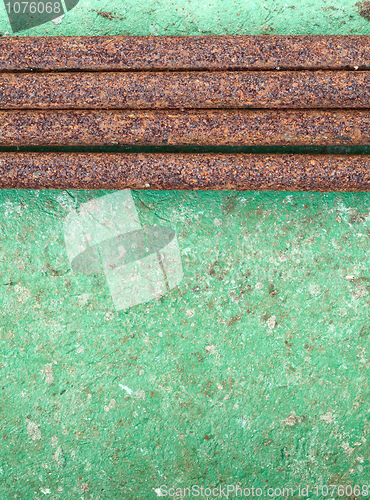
215,17
254,370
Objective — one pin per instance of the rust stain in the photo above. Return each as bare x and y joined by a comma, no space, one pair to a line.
188,127
207,91
184,171
183,53
195,89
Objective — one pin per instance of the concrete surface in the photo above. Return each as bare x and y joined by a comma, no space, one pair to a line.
254,370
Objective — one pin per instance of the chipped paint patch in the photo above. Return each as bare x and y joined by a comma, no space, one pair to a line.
47,373
111,405
33,430
328,417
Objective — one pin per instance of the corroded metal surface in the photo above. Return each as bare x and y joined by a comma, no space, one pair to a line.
202,127
100,91
185,171
259,89
184,52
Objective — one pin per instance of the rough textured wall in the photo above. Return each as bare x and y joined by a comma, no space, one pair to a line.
254,370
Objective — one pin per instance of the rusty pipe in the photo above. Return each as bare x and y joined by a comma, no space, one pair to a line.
185,171
174,90
117,53
185,128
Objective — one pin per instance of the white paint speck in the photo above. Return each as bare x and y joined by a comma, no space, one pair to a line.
85,487
158,492
140,394
314,289
328,417
109,316
360,292
288,199
347,449
59,457
292,419
127,389
271,322
242,422
111,405
58,20
33,430
23,294
211,349
47,373
83,299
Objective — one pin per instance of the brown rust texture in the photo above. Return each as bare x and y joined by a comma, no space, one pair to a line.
171,90
188,127
208,91
184,53
184,171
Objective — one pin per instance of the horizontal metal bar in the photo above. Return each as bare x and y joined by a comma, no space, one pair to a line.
185,171
273,89
184,53
202,127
